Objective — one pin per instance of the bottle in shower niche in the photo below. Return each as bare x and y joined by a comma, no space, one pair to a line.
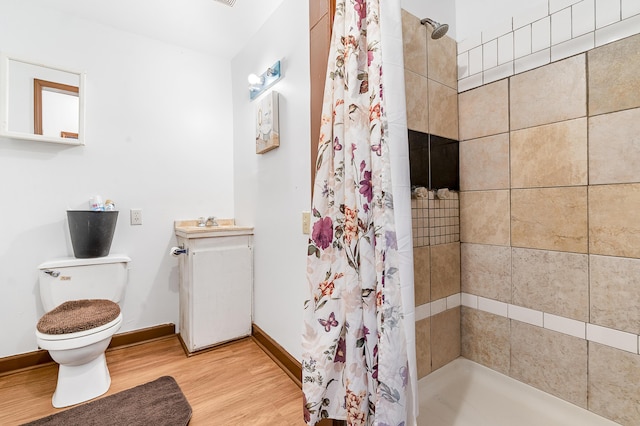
96,204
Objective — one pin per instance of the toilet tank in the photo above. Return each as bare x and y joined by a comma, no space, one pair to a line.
70,278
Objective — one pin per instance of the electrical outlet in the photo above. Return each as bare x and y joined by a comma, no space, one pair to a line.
306,223
136,216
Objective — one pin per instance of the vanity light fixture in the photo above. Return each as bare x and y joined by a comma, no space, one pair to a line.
260,83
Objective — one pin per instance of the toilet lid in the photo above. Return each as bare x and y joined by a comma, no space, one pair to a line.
78,315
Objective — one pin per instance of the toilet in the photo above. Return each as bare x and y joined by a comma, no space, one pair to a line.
80,298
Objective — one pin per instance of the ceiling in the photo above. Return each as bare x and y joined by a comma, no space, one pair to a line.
203,25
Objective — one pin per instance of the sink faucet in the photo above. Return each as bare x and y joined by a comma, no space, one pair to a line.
202,222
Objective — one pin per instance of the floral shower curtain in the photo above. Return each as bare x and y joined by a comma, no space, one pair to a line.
354,361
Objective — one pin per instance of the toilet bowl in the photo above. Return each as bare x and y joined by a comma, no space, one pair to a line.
77,329
83,373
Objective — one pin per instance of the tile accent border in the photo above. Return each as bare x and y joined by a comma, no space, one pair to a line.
622,340
438,306
613,338
550,33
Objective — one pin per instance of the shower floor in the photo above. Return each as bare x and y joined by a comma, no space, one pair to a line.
464,393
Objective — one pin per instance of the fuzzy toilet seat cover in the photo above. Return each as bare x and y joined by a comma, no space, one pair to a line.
78,315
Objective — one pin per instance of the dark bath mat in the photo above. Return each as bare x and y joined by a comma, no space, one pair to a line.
156,403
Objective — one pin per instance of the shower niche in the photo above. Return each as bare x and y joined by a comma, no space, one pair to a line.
434,161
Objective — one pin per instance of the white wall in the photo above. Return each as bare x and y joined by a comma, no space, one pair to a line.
272,189
158,137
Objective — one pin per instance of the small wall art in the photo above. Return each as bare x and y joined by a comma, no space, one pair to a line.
267,127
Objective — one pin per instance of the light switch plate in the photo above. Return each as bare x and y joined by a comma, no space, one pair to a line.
306,223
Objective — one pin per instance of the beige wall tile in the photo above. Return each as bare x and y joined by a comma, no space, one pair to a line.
614,147
442,59
417,97
422,274
549,94
445,335
423,347
484,163
484,217
552,281
614,81
484,111
550,361
614,228
486,271
614,384
615,292
445,270
414,41
485,339
550,218
443,110
550,155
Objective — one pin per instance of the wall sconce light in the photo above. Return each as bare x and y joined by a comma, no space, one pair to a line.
260,83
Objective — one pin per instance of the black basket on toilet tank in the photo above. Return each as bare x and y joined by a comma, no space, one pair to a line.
91,232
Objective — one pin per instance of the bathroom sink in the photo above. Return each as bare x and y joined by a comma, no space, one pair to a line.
225,227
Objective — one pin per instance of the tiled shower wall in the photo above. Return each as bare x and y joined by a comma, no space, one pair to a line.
549,202
432,107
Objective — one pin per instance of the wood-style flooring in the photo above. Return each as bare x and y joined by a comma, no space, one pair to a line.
236,384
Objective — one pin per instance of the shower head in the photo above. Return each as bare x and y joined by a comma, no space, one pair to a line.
439,30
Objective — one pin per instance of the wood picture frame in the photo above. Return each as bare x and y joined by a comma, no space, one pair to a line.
267,123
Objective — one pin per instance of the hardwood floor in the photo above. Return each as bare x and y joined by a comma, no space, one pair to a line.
236,384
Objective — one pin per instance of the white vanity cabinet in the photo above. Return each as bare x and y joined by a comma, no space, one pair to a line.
216,280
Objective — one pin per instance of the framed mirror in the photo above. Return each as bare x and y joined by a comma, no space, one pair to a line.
41,103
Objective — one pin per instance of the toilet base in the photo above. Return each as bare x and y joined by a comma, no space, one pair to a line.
80,383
